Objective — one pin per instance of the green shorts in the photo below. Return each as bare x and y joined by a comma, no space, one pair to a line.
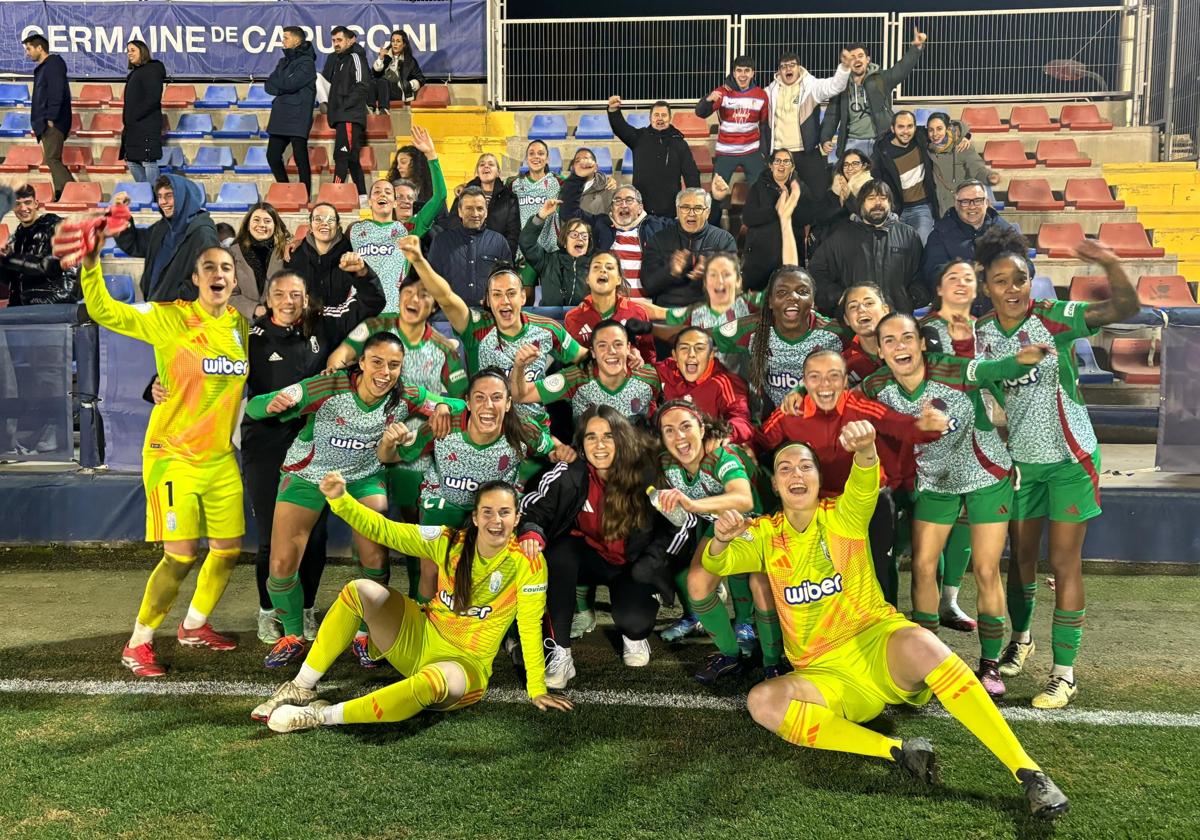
403,485
993,503
437,511
296,491
1065,491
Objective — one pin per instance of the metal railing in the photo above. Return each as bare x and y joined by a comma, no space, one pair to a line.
1173,69
817,39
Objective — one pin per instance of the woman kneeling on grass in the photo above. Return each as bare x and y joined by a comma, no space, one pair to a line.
446,648
853,653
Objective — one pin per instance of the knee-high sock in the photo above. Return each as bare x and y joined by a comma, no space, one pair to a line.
1021,598
929,621
213,578
380,576
715,618
991,636
681,590
162,587
288,599
337,629
956,556
813,725
582,594
1065,635
399,701
966,701
743,601
770,635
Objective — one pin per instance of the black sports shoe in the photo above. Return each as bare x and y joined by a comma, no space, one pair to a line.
717,665
1046,801
916,758
770,672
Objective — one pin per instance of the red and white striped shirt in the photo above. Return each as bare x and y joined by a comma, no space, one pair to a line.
740,114
627,245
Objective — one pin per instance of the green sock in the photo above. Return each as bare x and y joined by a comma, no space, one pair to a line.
681,590
743,601
770,635
927,620
956,555
991,636
1065,635
713,616
288,600
380,576
1021,598
581,598
413,566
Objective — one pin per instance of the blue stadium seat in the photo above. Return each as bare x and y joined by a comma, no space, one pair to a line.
554,164
256,97
548,127
211,160
255,162
627,162
14,93
1090,372
1043,289
172,159
109,247
604,161
192,126
922,115
218,96
235,197
638,120
239,126
141,194
120,286
16,124
593,127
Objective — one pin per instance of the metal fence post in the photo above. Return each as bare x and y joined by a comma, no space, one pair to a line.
1169,104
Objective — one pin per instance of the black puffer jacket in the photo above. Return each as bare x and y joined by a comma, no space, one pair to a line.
855,252
32,273
293,83
349,77
660,160
141,139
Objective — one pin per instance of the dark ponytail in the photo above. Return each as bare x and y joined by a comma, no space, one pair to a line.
468,535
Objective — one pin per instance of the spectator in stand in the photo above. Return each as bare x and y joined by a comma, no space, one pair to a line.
503,215
851,173
562,273
608,300
902,159
794,98
396,74
874,246
258,253
293,83
141,137
50,111
673,267
662,157
172,245
467,253
321,256
349,88
763,252
955,234
598,189
29,268
863,111
742,110
410,163
953,164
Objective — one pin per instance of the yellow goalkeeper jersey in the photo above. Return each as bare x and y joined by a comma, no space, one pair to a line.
504,586
822,578
201,361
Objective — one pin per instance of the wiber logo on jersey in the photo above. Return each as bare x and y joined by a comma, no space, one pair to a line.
1030,378
224,366
808,592
474,612
461,483
352,444
782,379
376,249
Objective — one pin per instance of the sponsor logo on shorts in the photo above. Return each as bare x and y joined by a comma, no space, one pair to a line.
808,592
351,443
224,366
474,612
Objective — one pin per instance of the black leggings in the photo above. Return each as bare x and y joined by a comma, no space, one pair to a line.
572,561
276,143
881,534
261,460
348,141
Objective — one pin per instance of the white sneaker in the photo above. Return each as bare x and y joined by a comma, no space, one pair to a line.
270,630
560,665
297,718
636,654
583,622
310,623
287,694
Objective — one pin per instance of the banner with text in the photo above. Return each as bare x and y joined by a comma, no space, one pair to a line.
239,40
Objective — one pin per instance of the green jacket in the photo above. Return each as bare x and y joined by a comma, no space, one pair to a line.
563,278
877,85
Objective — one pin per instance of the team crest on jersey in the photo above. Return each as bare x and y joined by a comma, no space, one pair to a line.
503,463
555,382
635,406
172,523
293,392
237,337
495,582
313,345
430,533
729,329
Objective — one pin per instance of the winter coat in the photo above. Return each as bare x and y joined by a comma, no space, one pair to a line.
855,252
954,239
660,160
51,97
399,80
764,241
877,86
293,83
503,216
326,282
349,78
813,92
141,139
884,166
32,272
950,168
193,232
247,295
466,258
597,197
658,282
562,278
604,232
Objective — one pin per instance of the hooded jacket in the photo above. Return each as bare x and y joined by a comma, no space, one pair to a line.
657,281
503,212
876,89
326,282
812,93
293,83
888,256
562,278
349,77
661,159
883,165
141,138
951,167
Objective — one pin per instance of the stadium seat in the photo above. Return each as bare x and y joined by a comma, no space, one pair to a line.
301,230
1058,153
218,96
1042,288
593,127
1032,194
104,124
432,96
638,120
1165,292
76,124
1058,240
1090,372
3,236
1131,361
13,94
627,162
141,194
1006,154
703,157
179,96
235,197
172,159
109,164
548,127
239,127
379,127
255,162
22,159
120,286
983,120
287,198
553,164
93,96
921,114
73,157
256,97
1083,118
16,124
210,160
77,195
43,191
690,125
192,126
1128,239
321,129
1089,288
604,161
1091,194
344,197
366,159
318,160
1031,118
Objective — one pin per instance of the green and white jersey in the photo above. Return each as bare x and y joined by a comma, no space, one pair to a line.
1047,418
785,359
531,195
376,242
718,468
703,316
633,398
970,454
486,346
460,466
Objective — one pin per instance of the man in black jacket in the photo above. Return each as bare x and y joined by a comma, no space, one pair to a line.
902,160
673,265
349,80
874,248
661,156
29,267
50,111
293,83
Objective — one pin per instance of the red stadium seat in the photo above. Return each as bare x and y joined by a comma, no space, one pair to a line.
93,96
432,96
118,101
104,124
1164,292
43,191
1031,118
1090,288
704,159
1056,153
318,160
179,96
1129,239
74,158
1058,240
379,127
77,195
983,120
22,159
76,123
287,198
109,162
689,124
1091,194
1129,359
321,130
1083,118
366,159
1006,154
3,242
1032,194
344,197
301,231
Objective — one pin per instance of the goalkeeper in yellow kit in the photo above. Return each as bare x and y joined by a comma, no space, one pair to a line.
853,653
193,485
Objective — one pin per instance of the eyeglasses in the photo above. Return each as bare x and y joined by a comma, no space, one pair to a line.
324,220
787,162
788,65
971,202
852,164
578,235
692,210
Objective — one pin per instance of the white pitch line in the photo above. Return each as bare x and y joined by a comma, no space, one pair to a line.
611,697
